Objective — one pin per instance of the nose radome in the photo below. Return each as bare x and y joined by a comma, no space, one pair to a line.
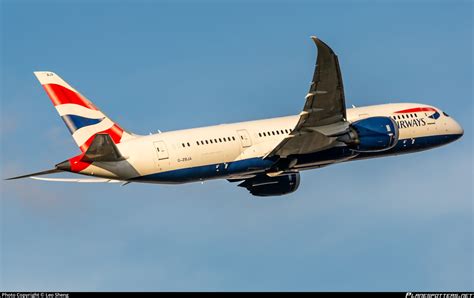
457,128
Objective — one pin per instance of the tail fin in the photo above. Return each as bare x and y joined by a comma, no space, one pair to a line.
83,119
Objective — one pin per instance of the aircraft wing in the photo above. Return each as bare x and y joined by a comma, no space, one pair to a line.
47,172
324,113
79,180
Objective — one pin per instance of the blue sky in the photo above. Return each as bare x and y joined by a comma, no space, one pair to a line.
395,224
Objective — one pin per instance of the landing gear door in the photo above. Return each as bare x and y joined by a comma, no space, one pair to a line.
244,138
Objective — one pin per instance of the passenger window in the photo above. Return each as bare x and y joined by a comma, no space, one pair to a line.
183,144
260,134
197,143
233,138
220,140
189,145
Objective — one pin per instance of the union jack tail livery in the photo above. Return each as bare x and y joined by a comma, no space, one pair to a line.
83,119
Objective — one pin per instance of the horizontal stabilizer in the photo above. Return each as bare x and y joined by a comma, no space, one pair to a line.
102,148
84,180
47,172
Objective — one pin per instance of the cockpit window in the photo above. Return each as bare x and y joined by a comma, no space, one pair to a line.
445,114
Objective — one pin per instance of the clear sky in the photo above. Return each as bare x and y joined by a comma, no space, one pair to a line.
398,223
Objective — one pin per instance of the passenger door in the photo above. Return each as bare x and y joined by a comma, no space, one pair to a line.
162,154
161,150
244,138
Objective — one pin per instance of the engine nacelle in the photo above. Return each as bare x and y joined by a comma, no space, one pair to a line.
374,134
264,186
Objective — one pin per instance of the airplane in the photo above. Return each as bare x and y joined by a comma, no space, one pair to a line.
264,156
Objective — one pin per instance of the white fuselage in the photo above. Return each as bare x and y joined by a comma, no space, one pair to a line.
234,150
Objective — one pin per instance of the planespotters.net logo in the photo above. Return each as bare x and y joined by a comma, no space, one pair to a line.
439,295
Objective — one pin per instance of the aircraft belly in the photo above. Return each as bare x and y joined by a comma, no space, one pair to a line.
206,172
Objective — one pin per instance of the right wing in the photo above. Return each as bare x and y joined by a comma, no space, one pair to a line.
325,102
324,114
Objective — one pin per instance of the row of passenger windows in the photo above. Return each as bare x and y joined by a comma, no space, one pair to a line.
210,141
230,139
274,132
404,116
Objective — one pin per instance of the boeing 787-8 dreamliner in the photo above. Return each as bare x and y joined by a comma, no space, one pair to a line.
264,156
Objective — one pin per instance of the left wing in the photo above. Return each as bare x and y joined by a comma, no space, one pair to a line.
324,114
80,180
47,172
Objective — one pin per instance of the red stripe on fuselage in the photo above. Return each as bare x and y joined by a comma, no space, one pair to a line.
60,95
416,110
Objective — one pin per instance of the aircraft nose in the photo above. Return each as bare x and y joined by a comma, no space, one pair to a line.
457,129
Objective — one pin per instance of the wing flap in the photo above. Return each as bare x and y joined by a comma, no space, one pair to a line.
302,144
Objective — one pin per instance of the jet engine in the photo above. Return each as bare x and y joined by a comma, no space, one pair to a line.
264,186
373,134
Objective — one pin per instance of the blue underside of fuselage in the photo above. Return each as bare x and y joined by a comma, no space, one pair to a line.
206,172
256,165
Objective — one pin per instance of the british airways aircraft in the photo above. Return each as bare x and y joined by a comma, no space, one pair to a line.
263,156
